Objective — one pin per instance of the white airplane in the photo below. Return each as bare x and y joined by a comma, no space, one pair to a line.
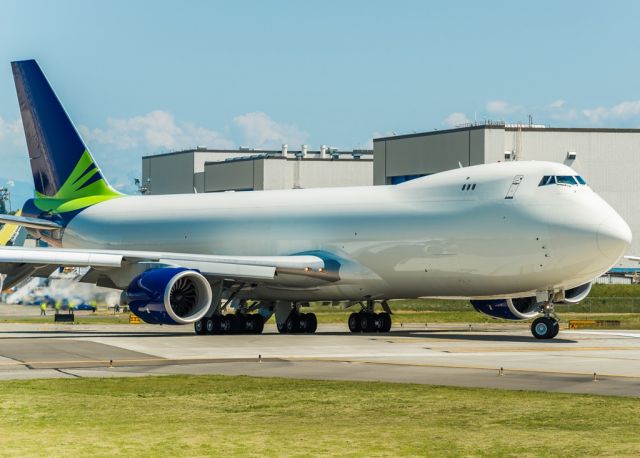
515,238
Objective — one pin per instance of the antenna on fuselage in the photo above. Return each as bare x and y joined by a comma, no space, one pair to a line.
460,164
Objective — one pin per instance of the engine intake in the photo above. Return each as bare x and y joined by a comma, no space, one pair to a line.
575,295
169,295
521,308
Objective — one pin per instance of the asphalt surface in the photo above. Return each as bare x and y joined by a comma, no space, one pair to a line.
485,356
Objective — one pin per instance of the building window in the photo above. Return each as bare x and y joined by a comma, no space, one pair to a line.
402,178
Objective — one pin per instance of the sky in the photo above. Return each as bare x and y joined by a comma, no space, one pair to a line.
144,77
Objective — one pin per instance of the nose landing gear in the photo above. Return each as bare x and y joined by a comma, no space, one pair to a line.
547,326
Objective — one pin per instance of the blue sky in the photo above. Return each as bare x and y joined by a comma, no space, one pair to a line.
141,77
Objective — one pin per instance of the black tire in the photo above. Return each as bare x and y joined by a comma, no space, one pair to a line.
258,323
354,322
237,324
543,328
291,324
245,324
214,325
302,322
556,328
312,323
385,322
282,329
377,322
367,323
199,327
229,324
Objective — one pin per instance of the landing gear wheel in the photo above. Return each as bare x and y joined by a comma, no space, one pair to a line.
354,322
384,320
228,324
311,322
258,323
367,322
545,328
212,325
556,328
291,326
282,329
199,327
245,324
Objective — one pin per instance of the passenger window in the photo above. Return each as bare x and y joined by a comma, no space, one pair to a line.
464,187
473,187
566,179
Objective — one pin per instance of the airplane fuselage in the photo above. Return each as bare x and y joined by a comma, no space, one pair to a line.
472,232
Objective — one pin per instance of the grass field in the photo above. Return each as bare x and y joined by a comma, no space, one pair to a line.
241,416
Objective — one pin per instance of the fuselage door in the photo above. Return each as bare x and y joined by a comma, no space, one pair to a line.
514,186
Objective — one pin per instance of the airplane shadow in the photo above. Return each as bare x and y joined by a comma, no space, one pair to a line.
449,335
75,334
426,335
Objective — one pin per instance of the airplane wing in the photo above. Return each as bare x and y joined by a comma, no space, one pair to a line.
116,268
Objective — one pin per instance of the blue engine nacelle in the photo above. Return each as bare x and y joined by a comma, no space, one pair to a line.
169,295
522,308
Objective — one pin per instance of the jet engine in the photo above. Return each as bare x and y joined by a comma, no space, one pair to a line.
522,308
575,295
169,295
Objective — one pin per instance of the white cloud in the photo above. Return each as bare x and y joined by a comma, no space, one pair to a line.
155,130
456,119
557,104
260,131
501,107
624,110
11,132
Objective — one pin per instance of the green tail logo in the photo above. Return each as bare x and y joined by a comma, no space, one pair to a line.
82,189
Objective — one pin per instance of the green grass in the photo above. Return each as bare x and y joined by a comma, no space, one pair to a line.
243,416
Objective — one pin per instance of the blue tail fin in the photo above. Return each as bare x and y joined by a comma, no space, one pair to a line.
65,176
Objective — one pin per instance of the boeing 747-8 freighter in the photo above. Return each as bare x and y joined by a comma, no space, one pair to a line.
515,238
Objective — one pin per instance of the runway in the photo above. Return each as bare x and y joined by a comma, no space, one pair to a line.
486,356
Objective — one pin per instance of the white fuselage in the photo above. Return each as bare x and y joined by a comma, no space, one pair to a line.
427,237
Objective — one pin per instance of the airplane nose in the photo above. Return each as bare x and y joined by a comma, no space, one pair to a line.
614,237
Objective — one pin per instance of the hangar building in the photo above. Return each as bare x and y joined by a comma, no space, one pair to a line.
208,170
609,159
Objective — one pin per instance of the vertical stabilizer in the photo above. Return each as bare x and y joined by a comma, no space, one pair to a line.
65,175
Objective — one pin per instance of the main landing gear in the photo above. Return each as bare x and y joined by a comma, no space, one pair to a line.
366,320
230,324
299,323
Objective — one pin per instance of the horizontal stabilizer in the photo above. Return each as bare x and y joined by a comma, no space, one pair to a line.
26,221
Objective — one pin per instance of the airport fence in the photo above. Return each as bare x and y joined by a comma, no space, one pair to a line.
604,305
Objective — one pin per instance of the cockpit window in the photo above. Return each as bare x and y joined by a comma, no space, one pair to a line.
547,179
562,179
566,179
